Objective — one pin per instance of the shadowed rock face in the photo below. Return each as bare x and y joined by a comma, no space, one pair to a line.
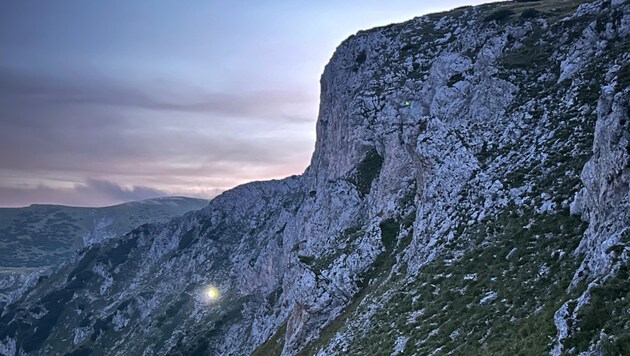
488,215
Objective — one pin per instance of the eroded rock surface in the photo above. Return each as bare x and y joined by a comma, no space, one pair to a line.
468,194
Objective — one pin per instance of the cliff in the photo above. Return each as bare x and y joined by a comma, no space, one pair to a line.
468,194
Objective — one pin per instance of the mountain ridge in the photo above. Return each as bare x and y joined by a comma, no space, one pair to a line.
148,200
435,217
59,229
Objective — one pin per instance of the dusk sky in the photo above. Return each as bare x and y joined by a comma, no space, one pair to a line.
109,101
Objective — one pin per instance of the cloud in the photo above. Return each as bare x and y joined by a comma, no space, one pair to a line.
50,124
79,129
93,192
116,192
17,88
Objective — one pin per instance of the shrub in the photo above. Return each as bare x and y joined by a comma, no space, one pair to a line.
366,171
500,15
361,58
389,232
530,14
617,346
307,260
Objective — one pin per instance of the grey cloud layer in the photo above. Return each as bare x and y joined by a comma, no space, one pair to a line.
101,191
27,88
106,129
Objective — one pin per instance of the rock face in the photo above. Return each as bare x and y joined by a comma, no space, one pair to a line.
468,194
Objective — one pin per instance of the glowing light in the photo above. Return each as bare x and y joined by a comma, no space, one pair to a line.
211,293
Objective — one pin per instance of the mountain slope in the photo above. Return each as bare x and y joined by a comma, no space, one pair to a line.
468,194
44,235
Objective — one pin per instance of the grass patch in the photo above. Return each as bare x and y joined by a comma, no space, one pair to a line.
307,260
273,346
607,311
508,263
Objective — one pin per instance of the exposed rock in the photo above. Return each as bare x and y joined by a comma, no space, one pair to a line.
433,219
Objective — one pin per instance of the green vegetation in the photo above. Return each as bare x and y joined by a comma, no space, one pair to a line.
607,310
273,346
307,260
369,282
323,262
366,171
495,288
500,15
550,9
530,14
532,56
119,254
389,231
449,296
495,285
623,77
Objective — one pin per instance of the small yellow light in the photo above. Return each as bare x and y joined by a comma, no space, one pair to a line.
212,293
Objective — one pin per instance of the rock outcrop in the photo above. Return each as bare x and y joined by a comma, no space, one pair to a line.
468,194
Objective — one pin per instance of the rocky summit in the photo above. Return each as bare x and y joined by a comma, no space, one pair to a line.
468,195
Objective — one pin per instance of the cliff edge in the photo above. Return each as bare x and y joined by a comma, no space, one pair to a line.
468,194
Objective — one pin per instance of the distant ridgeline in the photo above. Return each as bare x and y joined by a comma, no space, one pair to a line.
468,195
44,235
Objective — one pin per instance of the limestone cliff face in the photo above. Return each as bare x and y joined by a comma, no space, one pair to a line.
604,201
468,194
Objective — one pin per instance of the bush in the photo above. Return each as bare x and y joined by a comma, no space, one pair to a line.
530,14
617,346
389,232
361,58
366,171
499,16
307,260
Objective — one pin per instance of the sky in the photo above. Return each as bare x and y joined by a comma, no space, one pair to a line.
103,102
